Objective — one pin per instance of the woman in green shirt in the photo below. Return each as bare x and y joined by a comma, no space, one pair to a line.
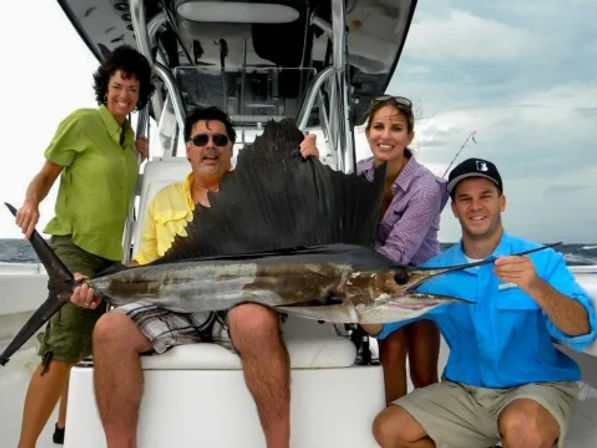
95,152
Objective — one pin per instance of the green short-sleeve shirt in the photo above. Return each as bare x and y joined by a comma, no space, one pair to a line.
97,182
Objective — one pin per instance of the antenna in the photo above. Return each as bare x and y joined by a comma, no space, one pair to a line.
471,136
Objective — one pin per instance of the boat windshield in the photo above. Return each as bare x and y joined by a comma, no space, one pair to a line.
250,95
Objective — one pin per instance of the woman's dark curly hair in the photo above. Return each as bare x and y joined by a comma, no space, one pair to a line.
132,64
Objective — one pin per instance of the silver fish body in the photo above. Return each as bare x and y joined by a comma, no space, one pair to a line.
325,291
202,286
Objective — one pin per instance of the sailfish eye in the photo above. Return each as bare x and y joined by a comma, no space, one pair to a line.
401,276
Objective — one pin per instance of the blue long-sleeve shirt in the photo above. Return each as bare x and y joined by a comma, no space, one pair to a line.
504,338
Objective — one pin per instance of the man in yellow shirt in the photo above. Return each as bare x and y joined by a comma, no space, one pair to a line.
121,335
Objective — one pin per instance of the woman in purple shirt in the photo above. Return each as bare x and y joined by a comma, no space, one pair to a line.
407,234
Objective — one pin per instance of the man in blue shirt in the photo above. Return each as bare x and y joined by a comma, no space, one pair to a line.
504,380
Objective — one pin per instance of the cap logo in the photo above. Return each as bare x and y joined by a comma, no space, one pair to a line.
481,165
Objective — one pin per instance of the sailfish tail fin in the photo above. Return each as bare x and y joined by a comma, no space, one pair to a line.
41,316
60,284
54,266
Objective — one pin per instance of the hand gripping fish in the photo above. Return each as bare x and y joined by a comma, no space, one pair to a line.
287,233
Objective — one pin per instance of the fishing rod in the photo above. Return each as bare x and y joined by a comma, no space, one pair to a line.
471,136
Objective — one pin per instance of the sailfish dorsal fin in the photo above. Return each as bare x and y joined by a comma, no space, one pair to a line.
275,200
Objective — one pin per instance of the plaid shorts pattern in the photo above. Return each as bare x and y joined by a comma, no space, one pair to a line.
166,329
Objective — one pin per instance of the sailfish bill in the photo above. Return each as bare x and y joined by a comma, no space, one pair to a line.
417,276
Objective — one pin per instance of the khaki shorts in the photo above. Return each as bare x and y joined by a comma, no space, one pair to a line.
68,334
459,416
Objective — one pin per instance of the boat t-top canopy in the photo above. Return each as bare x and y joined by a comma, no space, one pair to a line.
318,62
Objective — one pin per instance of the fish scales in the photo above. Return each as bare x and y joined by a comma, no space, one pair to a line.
201,286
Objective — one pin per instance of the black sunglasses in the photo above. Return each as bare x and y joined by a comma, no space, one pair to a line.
202,139
400,100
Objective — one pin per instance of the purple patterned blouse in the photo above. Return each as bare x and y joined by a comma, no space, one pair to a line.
407,233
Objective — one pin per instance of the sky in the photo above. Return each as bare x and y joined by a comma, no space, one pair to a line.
522,74
46,73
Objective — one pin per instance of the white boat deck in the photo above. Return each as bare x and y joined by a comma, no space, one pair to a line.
15,376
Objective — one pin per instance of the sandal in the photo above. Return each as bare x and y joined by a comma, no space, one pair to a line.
58,436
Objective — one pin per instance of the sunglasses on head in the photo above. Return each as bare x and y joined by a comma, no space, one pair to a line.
202,139
400,100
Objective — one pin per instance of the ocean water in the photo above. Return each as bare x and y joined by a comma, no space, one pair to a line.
20,251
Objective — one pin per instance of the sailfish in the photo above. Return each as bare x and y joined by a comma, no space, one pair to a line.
289,233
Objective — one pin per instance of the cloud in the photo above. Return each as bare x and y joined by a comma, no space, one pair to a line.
586,111
462,36
539,130
559,189
477,52
552,207
562,96
418,69
543,143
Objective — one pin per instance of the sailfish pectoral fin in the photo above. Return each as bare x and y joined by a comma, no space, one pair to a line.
417,276
395,309
337,314
35,322
405,308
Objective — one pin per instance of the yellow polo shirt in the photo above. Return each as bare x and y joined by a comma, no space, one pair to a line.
169,212
97,181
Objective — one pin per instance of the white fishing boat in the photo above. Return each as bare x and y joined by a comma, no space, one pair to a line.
318,62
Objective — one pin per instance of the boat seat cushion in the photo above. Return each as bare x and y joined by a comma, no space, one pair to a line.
157,174
310,345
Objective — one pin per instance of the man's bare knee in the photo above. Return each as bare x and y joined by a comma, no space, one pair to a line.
394,426
383,429
252,322
525,423
113,329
